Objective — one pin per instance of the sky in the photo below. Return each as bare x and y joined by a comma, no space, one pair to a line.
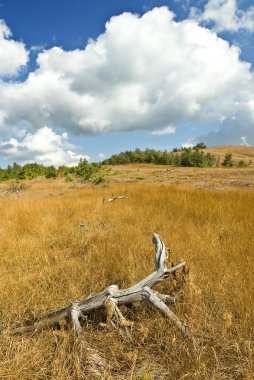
90,78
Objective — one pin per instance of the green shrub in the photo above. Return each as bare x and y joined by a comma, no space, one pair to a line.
99,181
69,178
228,161
50,172
242,164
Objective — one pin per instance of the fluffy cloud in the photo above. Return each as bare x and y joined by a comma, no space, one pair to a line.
13,54
226,16
144,72
44,146
165,131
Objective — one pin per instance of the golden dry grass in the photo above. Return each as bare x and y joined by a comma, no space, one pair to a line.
239,152
47,260
205,178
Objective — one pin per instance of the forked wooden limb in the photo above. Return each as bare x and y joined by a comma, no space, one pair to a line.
115,297
114,198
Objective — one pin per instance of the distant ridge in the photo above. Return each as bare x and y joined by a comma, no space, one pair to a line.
239,152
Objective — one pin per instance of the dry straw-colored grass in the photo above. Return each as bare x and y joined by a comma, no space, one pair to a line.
60,243
239,152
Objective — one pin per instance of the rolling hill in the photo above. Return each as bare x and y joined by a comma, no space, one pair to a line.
239,152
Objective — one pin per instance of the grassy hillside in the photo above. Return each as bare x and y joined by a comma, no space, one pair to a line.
60,243
239,152
205,178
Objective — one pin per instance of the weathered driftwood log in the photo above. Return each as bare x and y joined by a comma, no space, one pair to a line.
112,297
114,198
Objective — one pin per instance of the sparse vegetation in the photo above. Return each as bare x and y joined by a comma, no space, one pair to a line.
242,164
48,259
61,241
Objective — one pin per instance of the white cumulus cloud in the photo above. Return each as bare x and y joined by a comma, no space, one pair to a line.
226,16
142,73
44,146
13,54
165,131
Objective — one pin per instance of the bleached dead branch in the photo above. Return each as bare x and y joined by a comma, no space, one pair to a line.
112,298
114,198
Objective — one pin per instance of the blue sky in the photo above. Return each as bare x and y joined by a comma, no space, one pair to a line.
92,78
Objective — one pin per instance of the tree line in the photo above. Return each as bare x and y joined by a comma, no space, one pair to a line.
83,170
190,157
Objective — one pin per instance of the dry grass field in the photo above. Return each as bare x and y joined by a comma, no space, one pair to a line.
204,178
60,243
239,152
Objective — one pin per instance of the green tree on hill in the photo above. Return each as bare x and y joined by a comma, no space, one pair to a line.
86,170
200,145
228,161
